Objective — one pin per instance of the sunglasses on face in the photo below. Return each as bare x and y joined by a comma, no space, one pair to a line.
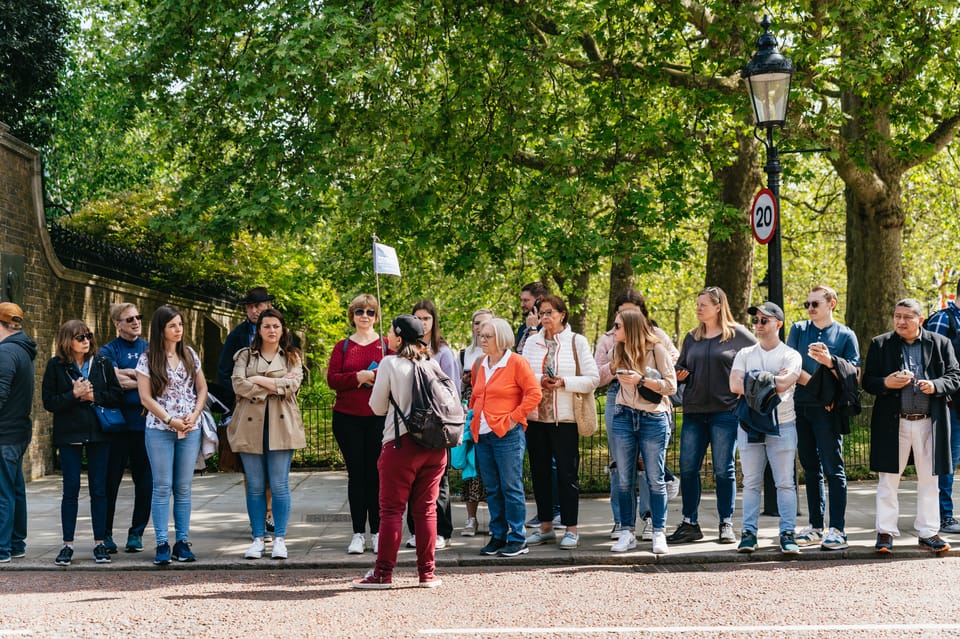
813,304
763,321
132,319
369,312
83,337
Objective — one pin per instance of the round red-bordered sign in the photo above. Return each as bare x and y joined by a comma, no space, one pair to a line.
764,216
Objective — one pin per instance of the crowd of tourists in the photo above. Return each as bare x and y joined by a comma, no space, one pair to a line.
146,406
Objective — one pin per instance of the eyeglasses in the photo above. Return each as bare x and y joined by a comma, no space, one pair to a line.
132,319
83,337
617,326
369,312
486,336
813,304
763,321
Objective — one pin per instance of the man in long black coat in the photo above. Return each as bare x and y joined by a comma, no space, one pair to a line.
911,371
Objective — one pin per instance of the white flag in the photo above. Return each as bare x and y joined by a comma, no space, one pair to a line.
385,259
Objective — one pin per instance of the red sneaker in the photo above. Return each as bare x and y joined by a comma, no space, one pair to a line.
373,581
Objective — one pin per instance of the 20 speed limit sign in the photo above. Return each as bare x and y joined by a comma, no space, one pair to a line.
765,216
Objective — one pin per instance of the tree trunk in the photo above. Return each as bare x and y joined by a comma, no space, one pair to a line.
730,247
874,267
578,320
621,278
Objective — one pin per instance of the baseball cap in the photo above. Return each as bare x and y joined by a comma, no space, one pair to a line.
11,313
408,328
767,308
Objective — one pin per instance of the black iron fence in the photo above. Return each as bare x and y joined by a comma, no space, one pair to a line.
322,451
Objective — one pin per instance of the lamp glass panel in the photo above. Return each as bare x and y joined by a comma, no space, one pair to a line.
769,93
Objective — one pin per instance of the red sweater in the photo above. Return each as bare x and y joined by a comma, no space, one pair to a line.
352,399
512,393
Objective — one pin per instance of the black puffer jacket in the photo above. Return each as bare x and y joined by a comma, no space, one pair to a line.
74,421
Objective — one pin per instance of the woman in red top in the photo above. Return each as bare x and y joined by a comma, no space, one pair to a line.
358,431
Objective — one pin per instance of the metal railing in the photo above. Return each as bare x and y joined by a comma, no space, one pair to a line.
322,451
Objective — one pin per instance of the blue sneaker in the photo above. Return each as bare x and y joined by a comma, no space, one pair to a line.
182,552
788,544
110,544
163,554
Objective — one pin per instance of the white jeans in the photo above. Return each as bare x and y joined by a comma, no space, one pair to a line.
916,435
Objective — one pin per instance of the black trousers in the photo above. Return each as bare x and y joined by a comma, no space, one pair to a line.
561,442
360,440
128,448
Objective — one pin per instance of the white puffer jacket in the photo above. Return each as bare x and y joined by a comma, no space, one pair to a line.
563,365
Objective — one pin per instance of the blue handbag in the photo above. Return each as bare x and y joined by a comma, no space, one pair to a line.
111,419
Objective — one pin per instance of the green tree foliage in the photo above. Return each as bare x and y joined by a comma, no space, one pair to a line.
32,57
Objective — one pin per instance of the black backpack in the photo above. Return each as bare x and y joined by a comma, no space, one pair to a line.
953,334
436,418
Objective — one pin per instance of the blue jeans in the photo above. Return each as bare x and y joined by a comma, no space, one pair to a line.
272,467
719,430
71,459
13,499
500,460
172,461
946,480
636,431
608,410
780,452
820,450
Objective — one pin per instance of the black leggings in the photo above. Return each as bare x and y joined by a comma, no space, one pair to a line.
360,441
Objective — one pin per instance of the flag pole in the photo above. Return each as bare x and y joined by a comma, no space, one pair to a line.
376,275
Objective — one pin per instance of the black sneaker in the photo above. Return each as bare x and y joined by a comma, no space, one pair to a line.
100,554
514,548
884,543
493,547
933,544
64,557
686,533
182,552
268,524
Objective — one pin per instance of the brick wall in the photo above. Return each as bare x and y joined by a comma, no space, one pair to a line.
52,294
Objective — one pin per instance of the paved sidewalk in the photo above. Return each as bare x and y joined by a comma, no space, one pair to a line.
320,531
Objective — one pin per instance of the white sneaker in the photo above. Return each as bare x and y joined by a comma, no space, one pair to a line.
279,549
626,542
570,540
441,543
646,533
834,540
375,542
659,543
469,527
255,551
357,544
673,488
412,542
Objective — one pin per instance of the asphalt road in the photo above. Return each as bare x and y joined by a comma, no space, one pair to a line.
888,597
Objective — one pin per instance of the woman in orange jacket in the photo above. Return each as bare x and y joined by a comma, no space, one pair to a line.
504,391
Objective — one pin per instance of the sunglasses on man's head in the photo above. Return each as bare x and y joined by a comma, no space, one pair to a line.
83,337
813,304
763,321
369,312
132,319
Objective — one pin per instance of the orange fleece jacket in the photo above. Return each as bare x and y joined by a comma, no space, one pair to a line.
513,392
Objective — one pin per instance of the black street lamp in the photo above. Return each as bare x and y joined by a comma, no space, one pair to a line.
768,76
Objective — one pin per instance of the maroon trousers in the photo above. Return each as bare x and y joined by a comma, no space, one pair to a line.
411,474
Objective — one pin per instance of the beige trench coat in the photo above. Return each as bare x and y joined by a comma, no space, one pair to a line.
245,430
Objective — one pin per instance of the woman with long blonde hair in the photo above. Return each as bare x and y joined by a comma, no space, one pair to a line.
641,422
706,358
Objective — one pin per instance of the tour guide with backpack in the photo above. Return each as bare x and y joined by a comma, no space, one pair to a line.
411,463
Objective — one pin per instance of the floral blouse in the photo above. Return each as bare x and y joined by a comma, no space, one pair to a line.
179,399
